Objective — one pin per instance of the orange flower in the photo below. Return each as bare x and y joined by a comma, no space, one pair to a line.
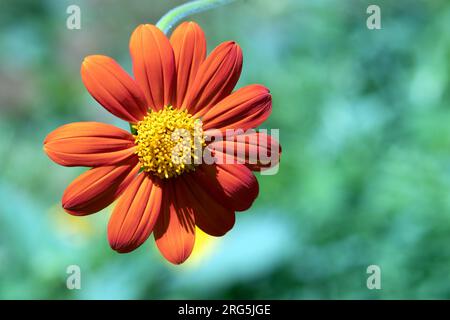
175,85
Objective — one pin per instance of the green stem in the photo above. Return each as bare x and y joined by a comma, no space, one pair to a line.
172,17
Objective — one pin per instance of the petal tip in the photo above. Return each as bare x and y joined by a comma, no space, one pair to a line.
120,248
178,260
68,209
89,59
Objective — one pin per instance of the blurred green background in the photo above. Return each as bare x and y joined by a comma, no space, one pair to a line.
364,179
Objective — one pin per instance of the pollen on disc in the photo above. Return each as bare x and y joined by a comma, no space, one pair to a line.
168,142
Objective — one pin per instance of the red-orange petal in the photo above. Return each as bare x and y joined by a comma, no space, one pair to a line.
97,188
175,229
88,144
257,150
211,216
216,78
135,214
113,88
232,185
153,65
189,46
244,109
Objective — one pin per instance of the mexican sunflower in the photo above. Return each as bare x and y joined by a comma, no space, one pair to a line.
175,86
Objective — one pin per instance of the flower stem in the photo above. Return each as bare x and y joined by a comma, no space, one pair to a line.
172,17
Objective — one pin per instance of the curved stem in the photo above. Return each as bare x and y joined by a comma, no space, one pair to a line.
172,17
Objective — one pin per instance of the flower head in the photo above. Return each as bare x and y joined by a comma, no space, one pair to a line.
177,101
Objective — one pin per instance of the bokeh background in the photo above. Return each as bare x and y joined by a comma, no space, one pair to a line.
364,121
